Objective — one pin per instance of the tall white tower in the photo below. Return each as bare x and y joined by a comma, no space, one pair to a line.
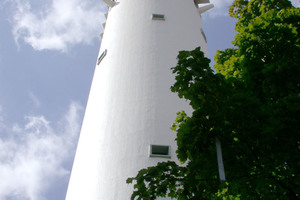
130,109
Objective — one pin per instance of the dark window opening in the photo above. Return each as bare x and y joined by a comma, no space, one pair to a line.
101,57
158,17
203,34
160,151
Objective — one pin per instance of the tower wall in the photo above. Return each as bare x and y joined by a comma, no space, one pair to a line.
130,105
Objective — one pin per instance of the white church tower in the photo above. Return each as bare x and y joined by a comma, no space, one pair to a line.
130,109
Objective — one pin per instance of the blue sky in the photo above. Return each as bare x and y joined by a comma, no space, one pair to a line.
48,51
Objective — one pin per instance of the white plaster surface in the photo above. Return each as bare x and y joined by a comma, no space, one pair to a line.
130,105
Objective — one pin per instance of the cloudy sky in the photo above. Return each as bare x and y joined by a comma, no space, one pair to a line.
48,51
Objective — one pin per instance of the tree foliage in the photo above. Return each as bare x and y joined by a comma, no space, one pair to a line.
251,103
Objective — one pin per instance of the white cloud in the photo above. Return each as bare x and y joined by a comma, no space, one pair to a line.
32,156
57,24
221,8
222,3
296,3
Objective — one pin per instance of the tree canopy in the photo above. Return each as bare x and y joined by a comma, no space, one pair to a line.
251,104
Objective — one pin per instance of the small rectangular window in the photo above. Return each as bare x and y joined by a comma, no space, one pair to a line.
203,34
159,151
158,17
102,56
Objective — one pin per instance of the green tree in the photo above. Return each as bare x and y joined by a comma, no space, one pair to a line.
251,104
